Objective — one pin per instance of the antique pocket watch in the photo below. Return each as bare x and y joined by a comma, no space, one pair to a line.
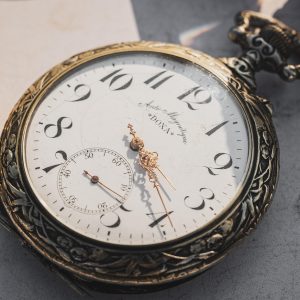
139,165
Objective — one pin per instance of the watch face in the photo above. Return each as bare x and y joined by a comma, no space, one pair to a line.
84,173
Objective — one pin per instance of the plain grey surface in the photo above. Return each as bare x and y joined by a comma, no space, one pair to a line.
266,265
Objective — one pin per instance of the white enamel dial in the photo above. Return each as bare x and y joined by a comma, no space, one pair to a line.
180,110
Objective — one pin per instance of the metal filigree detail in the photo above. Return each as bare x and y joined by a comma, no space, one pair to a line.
267,44
95,262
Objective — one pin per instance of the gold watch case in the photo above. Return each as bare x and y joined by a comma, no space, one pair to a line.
125,269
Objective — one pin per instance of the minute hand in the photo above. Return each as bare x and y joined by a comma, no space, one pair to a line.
157,187
146,158
149,162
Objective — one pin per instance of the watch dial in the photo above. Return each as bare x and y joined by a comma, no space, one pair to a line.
85,174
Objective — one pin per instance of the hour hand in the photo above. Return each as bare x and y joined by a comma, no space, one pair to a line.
147,159
149,162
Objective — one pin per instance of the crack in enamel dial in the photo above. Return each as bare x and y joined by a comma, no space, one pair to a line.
144,250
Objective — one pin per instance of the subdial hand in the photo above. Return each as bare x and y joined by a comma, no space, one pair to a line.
96,180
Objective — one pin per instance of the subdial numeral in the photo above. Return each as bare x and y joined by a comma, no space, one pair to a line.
197,203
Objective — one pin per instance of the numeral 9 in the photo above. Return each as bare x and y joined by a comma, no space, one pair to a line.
82,91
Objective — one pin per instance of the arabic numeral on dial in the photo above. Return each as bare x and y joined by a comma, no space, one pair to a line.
158,218
110,220
71,200
157,80
58,155
66,173
124,187
195,97
82,91
55,130
196,203
102,205
88,154
223,161
215,128
118,81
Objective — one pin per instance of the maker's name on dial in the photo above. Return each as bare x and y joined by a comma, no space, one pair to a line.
167,121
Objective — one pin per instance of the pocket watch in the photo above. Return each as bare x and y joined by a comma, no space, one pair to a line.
137,166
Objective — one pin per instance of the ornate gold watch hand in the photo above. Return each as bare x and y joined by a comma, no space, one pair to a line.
137,144
149,162
157,187
95,179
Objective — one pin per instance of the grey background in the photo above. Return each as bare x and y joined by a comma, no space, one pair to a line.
266,265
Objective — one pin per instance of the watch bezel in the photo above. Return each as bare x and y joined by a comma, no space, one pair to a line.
30,190
37,91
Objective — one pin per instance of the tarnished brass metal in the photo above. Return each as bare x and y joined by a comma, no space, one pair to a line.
139,269
267,44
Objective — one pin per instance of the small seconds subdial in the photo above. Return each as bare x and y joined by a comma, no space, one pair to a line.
95,181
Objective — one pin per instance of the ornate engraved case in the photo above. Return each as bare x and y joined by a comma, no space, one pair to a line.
131,269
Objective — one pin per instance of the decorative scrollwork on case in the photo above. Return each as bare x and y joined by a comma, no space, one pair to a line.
96,263
260,55
267,44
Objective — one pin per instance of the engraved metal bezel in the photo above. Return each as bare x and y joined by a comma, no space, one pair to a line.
140,268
